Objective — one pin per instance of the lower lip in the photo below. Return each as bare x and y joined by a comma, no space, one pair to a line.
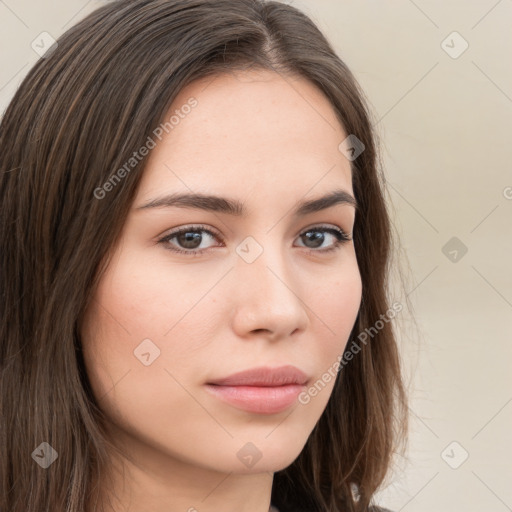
261,400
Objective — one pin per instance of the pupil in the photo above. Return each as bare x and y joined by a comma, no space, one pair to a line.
317,237
190,240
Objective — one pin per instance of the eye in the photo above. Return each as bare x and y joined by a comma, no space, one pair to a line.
190,239
340,237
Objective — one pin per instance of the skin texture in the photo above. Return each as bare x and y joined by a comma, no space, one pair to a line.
268,141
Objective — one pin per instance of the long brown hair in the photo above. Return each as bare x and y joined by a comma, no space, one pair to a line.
79,115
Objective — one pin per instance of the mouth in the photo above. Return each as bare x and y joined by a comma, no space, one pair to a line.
260,390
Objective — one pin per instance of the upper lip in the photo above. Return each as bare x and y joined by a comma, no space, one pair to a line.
264,376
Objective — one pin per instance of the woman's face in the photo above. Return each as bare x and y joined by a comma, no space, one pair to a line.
257,290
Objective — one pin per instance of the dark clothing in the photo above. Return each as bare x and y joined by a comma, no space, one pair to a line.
371,509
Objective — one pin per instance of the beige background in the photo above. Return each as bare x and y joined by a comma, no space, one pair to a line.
445,124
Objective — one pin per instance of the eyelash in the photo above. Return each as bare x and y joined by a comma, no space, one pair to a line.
340,235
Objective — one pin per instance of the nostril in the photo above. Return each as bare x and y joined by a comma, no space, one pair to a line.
260,330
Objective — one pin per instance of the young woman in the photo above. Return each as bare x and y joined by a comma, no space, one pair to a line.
194,266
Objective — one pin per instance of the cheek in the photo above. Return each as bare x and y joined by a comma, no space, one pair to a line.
139,309
137,299
126,355
121,315
339,301
336,307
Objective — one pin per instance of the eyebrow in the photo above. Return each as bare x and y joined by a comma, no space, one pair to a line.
234,207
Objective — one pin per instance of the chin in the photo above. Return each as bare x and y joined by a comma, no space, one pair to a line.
269,454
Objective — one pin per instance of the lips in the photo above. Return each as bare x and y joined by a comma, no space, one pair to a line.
264,376
260,390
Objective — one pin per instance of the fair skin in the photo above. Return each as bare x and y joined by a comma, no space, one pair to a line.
256,139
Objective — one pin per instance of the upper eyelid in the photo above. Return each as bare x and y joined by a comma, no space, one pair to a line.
213,231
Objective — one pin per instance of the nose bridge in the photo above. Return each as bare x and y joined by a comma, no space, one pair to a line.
264,263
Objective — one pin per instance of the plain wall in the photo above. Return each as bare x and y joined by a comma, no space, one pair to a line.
445,123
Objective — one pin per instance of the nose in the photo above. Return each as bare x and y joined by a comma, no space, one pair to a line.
268,298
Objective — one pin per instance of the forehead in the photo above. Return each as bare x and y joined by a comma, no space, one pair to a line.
254,129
